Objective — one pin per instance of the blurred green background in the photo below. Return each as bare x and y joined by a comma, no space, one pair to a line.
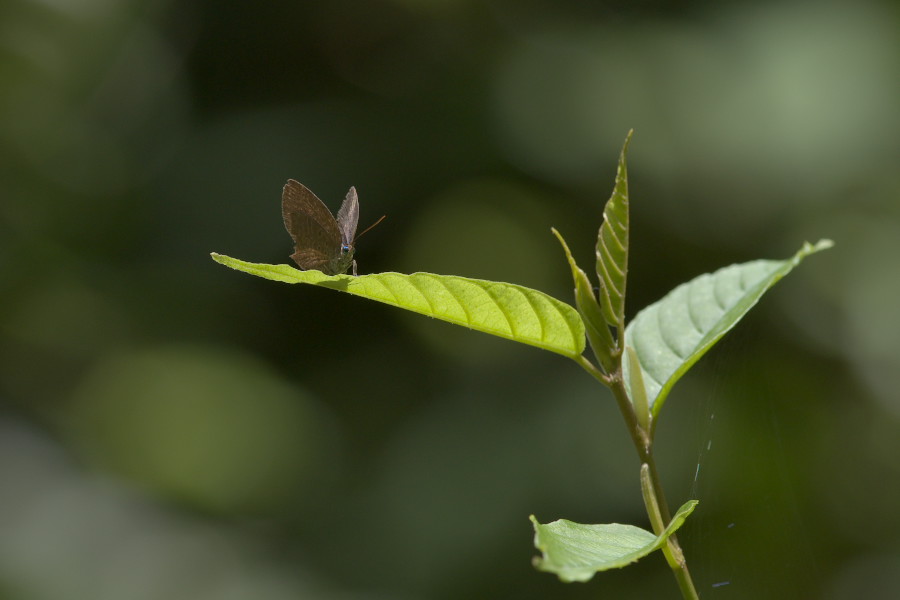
173,429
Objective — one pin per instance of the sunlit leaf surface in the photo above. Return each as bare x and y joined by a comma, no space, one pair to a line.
503,309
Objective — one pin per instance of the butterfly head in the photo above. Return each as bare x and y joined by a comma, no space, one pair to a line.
342,262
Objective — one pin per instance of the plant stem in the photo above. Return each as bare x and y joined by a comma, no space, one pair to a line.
657,507
672,551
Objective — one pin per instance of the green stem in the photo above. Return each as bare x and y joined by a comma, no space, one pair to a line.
672,551
654,497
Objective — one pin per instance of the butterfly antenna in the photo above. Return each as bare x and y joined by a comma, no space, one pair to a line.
383,217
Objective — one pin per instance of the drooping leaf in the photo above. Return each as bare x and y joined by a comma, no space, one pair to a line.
597,330
575,552
612,246
503,309
672,334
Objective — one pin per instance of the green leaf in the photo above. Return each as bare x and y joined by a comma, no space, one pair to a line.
636,391
612,246
597,330
510,311
672,334
574,552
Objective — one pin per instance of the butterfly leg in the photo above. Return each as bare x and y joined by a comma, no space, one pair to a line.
354,268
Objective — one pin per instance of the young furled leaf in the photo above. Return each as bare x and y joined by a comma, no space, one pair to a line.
597,330
612,247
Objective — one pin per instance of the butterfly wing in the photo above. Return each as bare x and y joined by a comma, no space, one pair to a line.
348,217
317,238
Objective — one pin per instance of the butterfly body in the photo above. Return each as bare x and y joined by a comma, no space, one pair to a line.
321,241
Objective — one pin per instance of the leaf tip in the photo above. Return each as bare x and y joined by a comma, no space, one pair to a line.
556,232
564,245
807,249
823,244
685,510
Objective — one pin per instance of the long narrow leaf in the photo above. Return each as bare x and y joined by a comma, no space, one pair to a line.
672,334
503,309
598,333
612,246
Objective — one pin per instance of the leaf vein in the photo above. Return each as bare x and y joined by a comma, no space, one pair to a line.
383,282
509,322
456,299
415,285
691,305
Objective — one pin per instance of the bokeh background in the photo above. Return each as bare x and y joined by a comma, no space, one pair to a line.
173,429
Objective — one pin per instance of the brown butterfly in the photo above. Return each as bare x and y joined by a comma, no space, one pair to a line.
320,241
